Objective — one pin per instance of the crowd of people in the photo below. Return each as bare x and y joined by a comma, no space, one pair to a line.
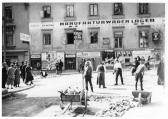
138,70
11,75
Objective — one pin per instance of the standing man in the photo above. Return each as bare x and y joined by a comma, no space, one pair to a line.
23,70
88,75
60,66
140,73
135,66
57,67
4,74
118,70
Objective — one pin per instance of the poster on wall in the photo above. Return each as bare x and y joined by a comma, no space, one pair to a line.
60,56
49,60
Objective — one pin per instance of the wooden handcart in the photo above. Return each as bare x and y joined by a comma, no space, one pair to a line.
67,100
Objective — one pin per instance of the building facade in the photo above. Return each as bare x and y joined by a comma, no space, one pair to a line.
15,21
96,31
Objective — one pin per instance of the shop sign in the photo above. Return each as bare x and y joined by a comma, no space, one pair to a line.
25,37
144,54
88,54
69,55
36,56
109,51
115,22
112,22
155,36
47,25
77,35
106,41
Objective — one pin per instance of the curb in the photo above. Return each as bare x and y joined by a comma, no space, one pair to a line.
12,92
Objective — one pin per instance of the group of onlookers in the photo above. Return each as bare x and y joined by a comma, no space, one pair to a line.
11,75
59,65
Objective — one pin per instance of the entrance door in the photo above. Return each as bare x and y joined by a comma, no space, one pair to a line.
70,63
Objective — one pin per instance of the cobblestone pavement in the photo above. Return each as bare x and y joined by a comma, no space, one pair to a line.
43,99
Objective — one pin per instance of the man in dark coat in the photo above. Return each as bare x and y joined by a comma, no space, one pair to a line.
4,75
88,75
60,66
23,70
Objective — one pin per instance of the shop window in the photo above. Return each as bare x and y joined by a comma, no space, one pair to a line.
8,12
94,37
47,39
46,11
118,9
143,8
118,36
9,40
69,10
127,60
70,38
143,39
93,9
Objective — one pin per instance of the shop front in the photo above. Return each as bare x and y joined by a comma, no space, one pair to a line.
125,56
94,57
108,56
36,61
70,61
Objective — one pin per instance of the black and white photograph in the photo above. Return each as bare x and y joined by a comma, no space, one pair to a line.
83,59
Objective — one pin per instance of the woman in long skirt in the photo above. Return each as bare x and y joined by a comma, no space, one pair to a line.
17,76
11,76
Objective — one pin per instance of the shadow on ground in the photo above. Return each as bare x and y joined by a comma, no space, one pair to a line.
22,106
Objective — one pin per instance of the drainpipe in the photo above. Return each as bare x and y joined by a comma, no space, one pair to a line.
4,32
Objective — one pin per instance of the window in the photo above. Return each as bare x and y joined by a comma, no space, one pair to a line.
46,11
118,36
69,10
9,40
143,8
70,38
143,39
47,39
118,9
94,36
93,9
8,12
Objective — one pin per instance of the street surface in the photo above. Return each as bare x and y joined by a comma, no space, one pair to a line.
43,100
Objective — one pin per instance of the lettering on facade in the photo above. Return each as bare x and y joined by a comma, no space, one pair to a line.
113,22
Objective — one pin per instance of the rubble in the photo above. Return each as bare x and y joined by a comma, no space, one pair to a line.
116,108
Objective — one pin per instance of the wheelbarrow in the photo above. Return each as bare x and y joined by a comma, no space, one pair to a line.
67,100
